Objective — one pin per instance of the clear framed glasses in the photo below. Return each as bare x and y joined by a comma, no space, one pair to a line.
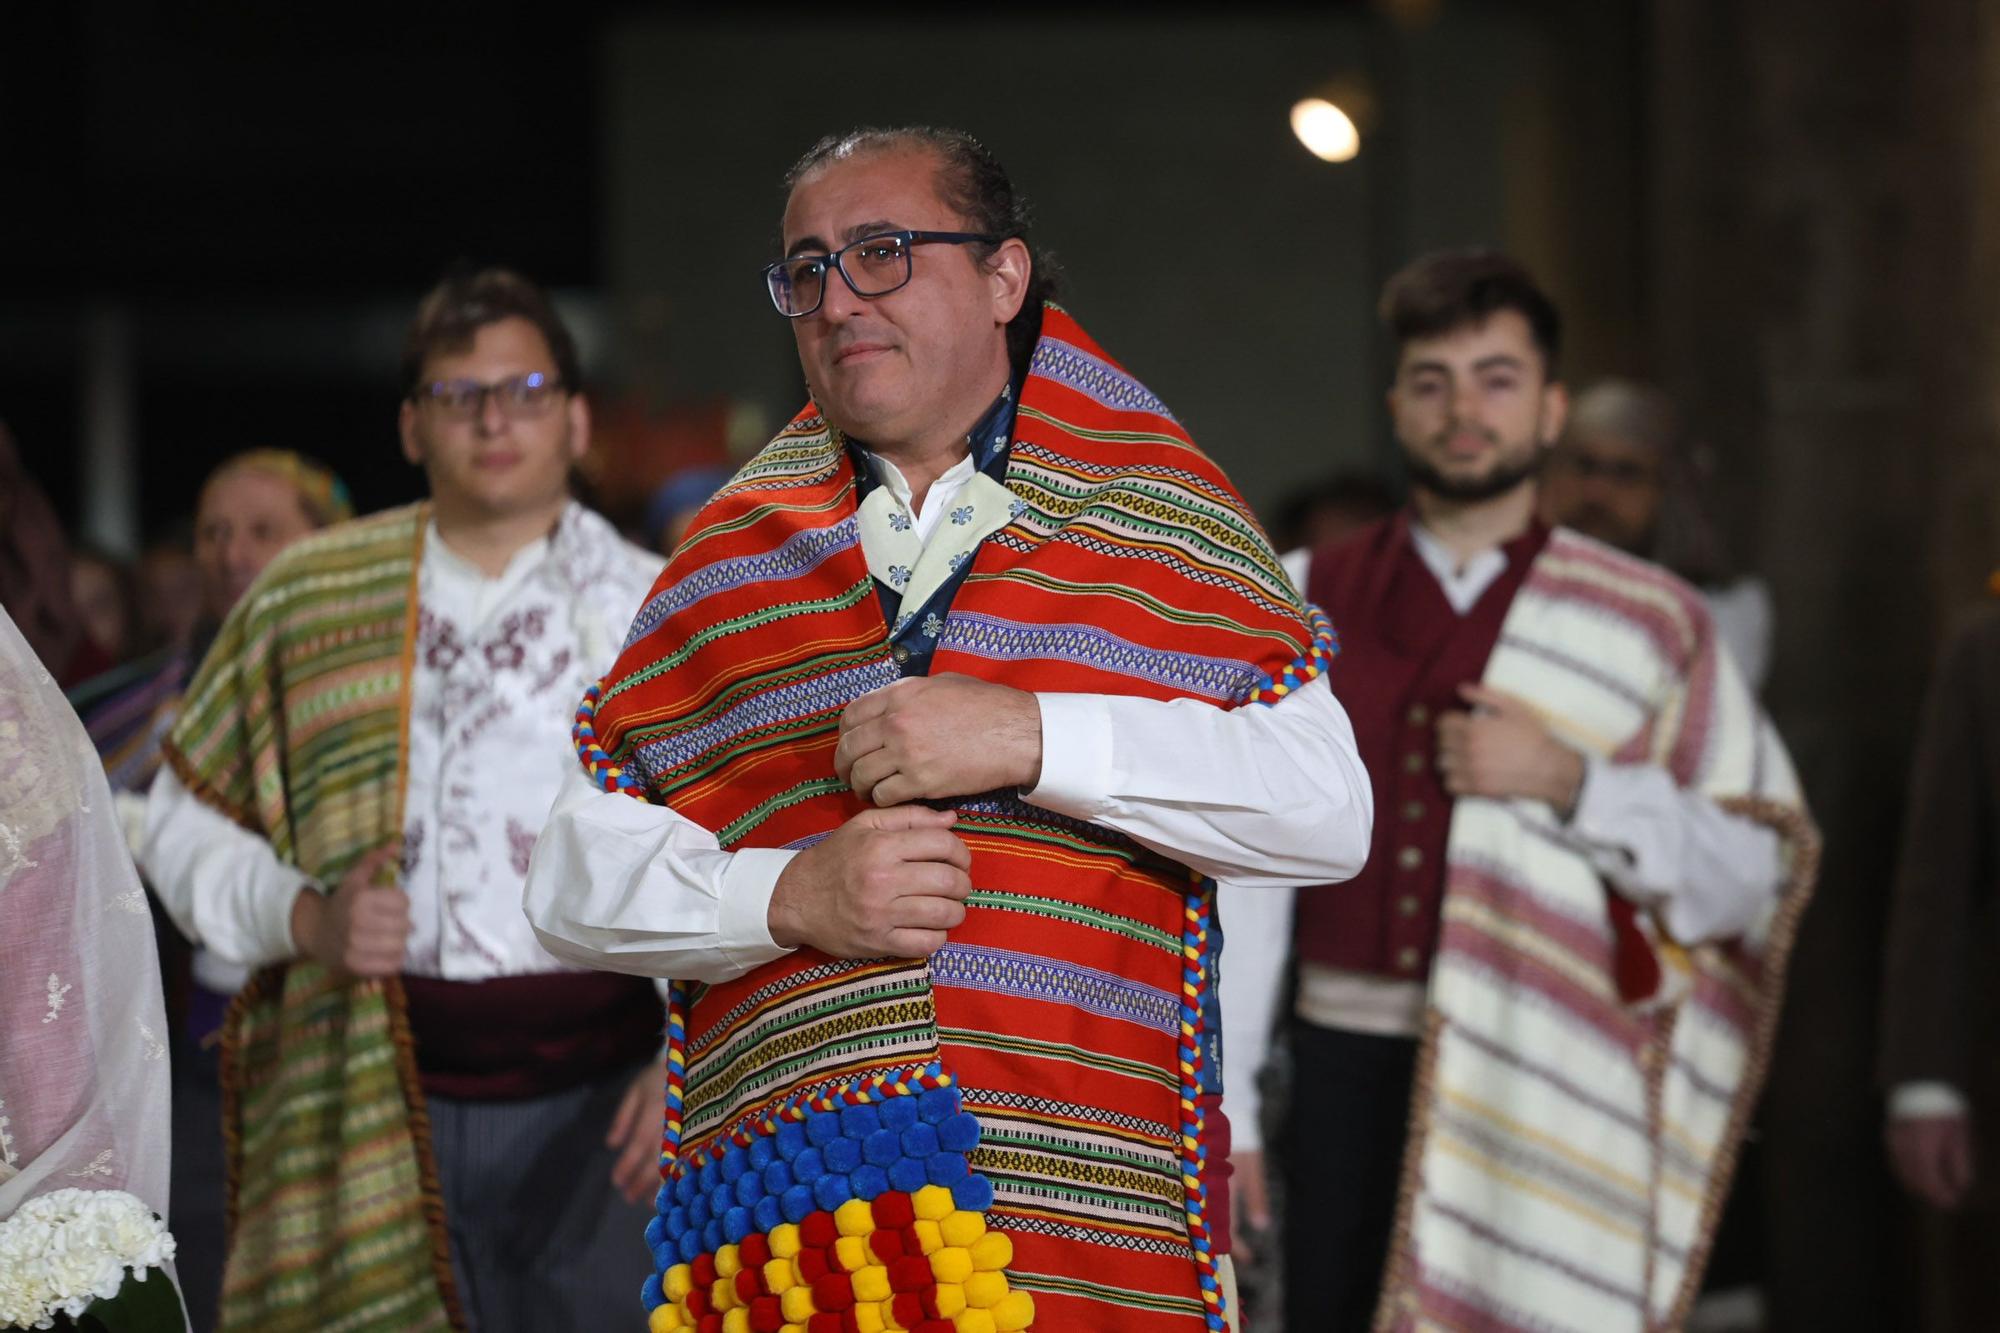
521,397
871,266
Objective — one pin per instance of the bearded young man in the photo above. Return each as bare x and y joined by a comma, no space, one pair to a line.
1527,1036
418,1094
943,714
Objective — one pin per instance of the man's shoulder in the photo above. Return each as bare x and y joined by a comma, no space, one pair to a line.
608,553
1334,562
1615,568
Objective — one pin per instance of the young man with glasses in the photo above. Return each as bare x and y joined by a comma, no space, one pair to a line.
419,1095
943,718
1557,979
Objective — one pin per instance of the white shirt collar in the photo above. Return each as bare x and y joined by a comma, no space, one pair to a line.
936,501
1462,584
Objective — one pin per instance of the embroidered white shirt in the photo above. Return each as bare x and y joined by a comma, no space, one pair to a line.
498,667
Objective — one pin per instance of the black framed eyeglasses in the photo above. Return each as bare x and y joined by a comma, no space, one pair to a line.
871,266
521,397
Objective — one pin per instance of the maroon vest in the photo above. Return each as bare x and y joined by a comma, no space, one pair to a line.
1403,654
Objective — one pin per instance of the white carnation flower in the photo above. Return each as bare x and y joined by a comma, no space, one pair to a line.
62,1250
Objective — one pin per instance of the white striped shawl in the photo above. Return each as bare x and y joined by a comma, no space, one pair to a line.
1569,1152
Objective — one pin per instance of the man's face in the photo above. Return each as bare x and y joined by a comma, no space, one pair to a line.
246,517
897,368
497,464
1607,487
1473,408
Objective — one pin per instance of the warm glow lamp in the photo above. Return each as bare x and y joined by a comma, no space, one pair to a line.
1332,118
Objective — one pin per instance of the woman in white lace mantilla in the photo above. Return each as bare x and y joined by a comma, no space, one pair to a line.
83,1057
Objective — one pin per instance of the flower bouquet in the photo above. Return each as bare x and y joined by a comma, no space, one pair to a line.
64,1258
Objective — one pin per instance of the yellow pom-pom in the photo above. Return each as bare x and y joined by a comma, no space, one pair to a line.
797,1304
854,1218
736,1321
872,1283
868,1318
779,1276
665,1319
932,1203
785,1241
951,1264
791,1328
728,1261
723,1294
992,1252
1015,1312
962,1228
950,1300
983,1291
679,1282
974,1321
852,1252
929,1239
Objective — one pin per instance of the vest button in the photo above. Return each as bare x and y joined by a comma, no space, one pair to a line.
1419,715
1406,959
1413,810
1410,858
1413,762
1408,905
901,654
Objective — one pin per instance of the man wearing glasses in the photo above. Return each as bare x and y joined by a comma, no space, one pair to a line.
419,1095
943,720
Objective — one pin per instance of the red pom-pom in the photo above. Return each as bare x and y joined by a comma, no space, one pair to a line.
704,1270
888,1245
766,1316
833,1292
824,1322
710,1323
934,1326
893,1210
909,1309
755,1249
813,1265
748,1288
912,1272
818,1231
697,1303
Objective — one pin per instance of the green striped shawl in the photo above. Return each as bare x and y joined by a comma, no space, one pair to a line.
294,727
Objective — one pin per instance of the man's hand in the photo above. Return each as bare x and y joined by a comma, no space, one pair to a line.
1932,1157
886,884
1250,1201
362,927
635,1130
1501,749
930,738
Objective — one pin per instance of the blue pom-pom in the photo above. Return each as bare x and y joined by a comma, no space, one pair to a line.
860,1121
937,1105
959,1134
750,1189
683,1189
677,1221
909,1175
831,1191
768,1214
870,1181
843,1155
691,1244
777,1178
822,1128
809,1166
920,1140
698,1211
946,1168
763,1152
899,1113
711,1235
797,1203
710,1179
791,1139
736,1224
734,1165
882,1148
651,1294
974,1194
665,1255
657,1230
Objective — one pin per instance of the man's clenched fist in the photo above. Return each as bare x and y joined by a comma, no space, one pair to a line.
360,928
936,737
886,884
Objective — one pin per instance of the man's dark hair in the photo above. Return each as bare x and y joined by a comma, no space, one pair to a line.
454,311
973,183
1449,289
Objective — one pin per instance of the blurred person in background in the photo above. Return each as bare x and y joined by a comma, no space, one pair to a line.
1940,1033
1627,473
250,508
170,591
1552,981
413,677
676,501
35,576
105,593
1324,511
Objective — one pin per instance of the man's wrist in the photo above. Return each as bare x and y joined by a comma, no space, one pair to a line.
308,910
1567,771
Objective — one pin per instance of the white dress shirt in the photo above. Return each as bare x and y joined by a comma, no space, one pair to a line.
1265,798
498,667
1706,872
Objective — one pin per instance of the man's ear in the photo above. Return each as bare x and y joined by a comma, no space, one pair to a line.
1009,269
406,426
579,426
1555,412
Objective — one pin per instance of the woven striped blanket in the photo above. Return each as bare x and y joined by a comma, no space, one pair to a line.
1008,1131
294,727
1569,1151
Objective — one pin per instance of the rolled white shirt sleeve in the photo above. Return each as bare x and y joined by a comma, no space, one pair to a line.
1265,798
626,886
1709,874
224,886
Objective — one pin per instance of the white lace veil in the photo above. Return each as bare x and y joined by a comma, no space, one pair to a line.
83,1055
